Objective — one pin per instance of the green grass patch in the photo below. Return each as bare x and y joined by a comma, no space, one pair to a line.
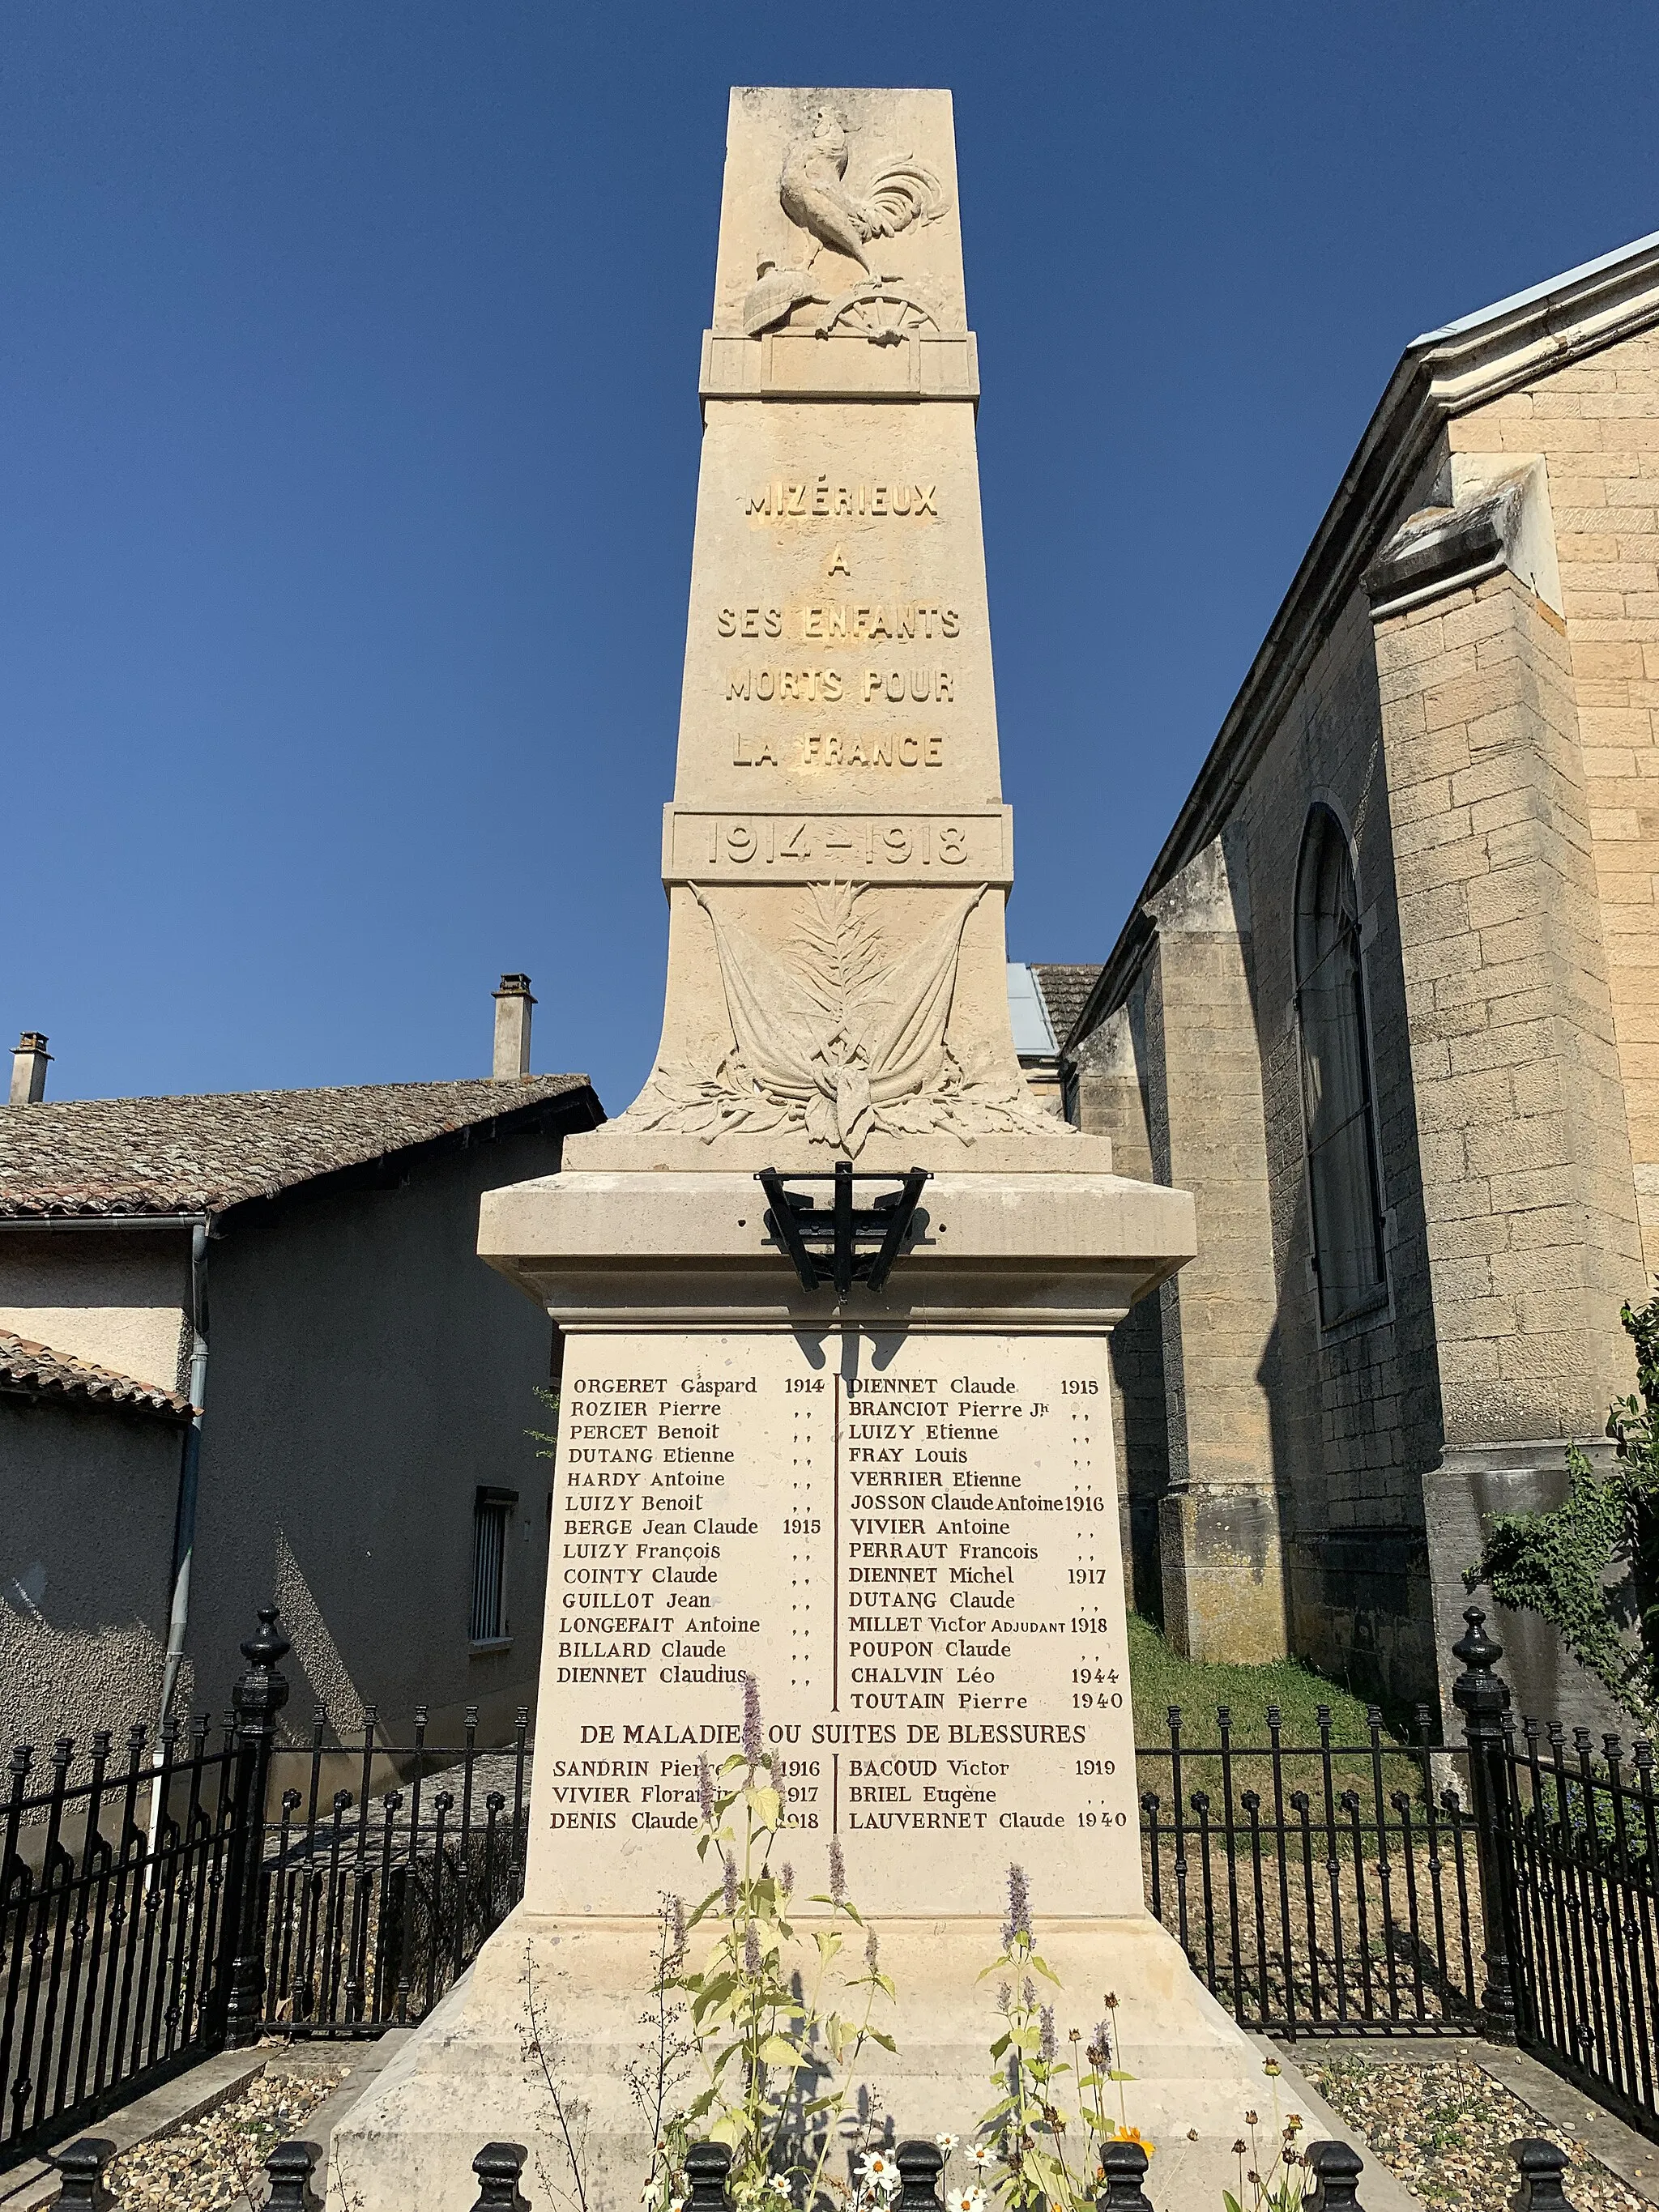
1160,1678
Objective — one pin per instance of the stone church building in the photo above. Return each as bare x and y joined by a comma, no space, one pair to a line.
1388,1006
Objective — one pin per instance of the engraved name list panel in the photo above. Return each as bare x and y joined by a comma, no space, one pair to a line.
910,1541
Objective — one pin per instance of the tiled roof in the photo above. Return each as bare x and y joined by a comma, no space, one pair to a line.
1065,991
34,1370
200,1155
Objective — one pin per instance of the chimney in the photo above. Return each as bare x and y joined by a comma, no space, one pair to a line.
28,1064
513,1004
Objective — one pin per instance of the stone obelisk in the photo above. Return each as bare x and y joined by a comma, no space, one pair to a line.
898,1511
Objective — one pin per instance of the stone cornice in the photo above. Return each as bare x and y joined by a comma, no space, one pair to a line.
1442,374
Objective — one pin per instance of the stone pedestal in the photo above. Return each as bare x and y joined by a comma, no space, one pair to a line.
956,1434
469,2076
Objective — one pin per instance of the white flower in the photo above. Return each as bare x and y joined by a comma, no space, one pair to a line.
947,2143
965,2200
877,2167
982,2155
778,2183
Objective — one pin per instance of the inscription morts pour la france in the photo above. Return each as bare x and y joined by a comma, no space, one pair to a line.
897,1511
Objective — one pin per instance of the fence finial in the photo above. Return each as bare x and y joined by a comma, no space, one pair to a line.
1125,2167
706,2165
82,2168
256,1699
498,2166
920,2163
1336,2168
1483,1698
291,2167
1541,2166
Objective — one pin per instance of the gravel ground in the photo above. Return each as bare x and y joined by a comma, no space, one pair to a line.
1445,2130
214,2161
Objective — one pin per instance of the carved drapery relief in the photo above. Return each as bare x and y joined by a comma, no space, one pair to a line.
845,1037
813,194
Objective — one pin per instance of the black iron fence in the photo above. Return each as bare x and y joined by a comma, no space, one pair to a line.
1569,1844
156,1906
116,1888
1334,2171
162,1903
1323,1889
376,1897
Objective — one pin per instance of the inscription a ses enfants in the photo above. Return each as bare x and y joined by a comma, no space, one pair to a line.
822,622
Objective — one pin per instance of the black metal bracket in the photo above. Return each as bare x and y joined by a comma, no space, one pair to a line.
839,1230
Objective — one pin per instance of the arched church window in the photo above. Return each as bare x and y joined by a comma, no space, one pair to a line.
1343,1179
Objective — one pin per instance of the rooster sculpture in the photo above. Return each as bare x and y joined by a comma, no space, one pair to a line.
814,196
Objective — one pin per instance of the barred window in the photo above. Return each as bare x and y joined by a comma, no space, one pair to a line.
492,1514
1343,1178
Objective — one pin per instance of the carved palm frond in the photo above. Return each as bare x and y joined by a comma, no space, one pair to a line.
840,960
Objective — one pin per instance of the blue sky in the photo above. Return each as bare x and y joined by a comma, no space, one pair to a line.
347,376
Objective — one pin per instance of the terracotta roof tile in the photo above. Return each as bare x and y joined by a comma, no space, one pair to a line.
34,1370
92,1156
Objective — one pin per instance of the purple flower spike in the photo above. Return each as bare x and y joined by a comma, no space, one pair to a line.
754,1734
706,1789
1018,1922
729,1885
837,1871
751,1950
1046,2035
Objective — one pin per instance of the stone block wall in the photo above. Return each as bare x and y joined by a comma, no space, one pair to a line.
1355,1416
1519,1105
1222,1571
1596,424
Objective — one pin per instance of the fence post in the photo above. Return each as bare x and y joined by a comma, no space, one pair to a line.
82,2167
920,2163
1124,2165
1483,1699
259,1697
1336,2168
498,2166
1541,2165
291,2167
707,2167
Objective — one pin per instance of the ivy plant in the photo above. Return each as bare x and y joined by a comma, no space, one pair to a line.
1556,1564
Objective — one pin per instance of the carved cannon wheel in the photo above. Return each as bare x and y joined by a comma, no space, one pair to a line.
883,312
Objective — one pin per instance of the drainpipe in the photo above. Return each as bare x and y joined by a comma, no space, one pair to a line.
184,1526
183,1534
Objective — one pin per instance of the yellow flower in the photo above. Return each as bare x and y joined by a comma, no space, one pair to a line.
1134,2135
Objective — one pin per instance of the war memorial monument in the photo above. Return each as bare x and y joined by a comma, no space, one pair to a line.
895,1507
